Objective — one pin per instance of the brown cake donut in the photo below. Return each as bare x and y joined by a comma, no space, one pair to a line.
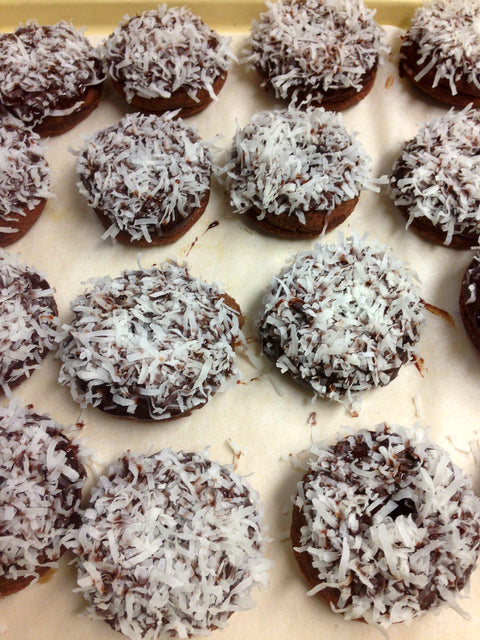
147,178
167,59
469,301
42,476
24,181
50,76
316,52
435,181
440,52
152,344
385,527
295,173
28,321
170,546
342,319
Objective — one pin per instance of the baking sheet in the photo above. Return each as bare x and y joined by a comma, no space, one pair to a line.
268,418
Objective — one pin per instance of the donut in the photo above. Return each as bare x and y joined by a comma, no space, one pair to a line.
385,527
469,301
167,59
151,344
316,52
440,51
342,318
147,178
295,173
42,474
170,546
50,76
28,321
24,181
435,181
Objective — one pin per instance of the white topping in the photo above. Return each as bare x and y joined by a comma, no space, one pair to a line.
28,324
437,175
154,339
24,174
41,481
43,68
446,33
291,162
307,47
391,523
342,318
170,545
145,172
158,52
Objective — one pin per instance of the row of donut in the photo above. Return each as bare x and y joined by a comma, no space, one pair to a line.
384,528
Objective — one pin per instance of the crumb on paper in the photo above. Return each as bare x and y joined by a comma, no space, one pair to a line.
389,81
237,451
417,406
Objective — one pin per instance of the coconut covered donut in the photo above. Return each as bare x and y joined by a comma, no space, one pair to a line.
470,301
42,476
151,344
385,527
435,181
440,52
167,59
296,173
28,321
170,546
147,178
316,52
50,76
342,319
24,181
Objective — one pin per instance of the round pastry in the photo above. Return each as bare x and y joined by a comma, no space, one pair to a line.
28,321
167,59
170,545
24,181
470,300
435,181
147,178
296,173
152,344
342,319
316,52
42,476
440,52
50,76
385,526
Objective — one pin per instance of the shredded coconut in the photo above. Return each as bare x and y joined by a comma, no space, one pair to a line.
146,173
304,47
446,35
28,320
342,318
44,68
390,523
170,545
437,175
291,162
24,174
160,51
42,476
154,343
